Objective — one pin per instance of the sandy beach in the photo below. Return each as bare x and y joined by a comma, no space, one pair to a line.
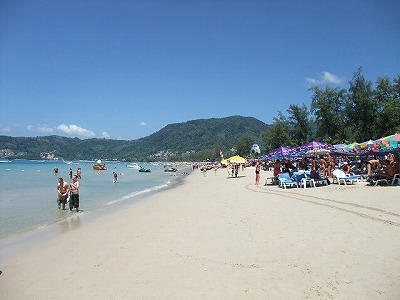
215,237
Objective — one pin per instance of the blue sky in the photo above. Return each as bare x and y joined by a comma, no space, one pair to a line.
125,69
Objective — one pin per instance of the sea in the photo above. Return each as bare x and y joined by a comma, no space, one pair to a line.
28,190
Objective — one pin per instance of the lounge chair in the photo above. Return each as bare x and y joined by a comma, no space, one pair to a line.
302,179
396,177
285,180
387,181
340,176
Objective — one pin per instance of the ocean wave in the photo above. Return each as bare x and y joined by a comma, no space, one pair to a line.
141,192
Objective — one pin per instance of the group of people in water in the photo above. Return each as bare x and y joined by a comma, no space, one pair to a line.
68,192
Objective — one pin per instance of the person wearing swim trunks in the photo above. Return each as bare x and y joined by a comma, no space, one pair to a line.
277,170
74,188
62,193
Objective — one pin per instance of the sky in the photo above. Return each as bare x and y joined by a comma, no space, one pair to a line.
125,69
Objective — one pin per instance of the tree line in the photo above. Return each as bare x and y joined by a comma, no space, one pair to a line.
336,115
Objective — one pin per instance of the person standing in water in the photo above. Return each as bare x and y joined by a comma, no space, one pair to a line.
62,191
74,188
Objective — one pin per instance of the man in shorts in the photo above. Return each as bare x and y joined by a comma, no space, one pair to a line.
63,192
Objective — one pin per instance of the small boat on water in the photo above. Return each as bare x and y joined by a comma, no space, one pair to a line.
171,169
133,166
144,170
99,166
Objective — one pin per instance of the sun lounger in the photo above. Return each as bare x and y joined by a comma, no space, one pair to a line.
386,181
303,179
285,180
340,176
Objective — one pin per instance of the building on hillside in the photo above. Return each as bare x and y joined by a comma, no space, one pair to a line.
255,148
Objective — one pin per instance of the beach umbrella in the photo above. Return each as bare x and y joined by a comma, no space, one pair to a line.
224,162
369,145
318,151
281,152
237,159
313,147
352,146
391,140
396,137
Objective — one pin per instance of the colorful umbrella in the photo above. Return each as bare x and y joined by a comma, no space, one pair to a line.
390,139
352,146
369,144
281,151
236,159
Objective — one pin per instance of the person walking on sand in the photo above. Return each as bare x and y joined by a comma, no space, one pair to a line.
115,177
62,191
258,173
74,188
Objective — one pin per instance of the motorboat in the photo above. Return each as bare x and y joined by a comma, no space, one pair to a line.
144,170
133,166
171,169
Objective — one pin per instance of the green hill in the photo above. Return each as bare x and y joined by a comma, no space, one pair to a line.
192,140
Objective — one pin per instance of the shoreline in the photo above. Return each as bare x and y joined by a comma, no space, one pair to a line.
213,237
19,241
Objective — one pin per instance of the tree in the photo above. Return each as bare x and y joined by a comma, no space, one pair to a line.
328,108
277,134
388,99
299,123
361,108
243,145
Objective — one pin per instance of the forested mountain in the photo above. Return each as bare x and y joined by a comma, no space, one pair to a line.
192,140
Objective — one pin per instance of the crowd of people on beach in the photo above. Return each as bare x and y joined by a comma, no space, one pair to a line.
320,167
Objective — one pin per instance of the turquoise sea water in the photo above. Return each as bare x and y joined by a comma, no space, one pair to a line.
28,190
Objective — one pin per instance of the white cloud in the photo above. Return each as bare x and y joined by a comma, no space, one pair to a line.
5,129
105,135
143,123
325,78
40,128
75,130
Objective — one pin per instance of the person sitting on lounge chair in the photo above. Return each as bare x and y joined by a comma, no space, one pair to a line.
371,165
387,171
346,168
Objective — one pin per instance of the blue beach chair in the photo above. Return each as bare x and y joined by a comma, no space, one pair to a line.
285,180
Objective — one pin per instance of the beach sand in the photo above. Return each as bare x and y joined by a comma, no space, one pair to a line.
215,237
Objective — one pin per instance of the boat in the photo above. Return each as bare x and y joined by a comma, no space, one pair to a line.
171,169
99,166
133,166
144,170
